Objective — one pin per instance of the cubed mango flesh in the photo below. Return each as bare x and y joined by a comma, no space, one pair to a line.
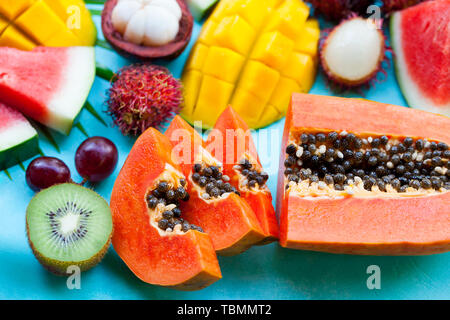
13,37
212,89
11,9
253,55
229,66
55,23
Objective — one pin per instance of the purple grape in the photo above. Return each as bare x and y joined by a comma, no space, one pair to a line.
96,158
43,172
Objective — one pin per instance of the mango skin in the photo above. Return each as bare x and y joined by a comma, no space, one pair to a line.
67,23
252,55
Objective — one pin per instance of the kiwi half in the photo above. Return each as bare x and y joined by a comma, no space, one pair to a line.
67,225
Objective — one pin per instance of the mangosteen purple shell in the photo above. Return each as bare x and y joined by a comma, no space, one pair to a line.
146,53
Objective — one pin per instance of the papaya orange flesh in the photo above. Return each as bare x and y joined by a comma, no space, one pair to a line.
362,218
231,142
228,219
184,261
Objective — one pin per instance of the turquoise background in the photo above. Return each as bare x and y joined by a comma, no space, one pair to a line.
268,272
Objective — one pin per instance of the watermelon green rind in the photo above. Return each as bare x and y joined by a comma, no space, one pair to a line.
411,91
17,144
199,8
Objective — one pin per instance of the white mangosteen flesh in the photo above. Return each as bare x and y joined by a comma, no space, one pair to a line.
147,22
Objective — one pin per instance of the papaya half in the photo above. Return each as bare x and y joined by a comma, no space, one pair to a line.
150,236
362,177
231,142
215,205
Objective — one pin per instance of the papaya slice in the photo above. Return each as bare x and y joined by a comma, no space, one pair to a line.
145,204
231,142
362,177
215,205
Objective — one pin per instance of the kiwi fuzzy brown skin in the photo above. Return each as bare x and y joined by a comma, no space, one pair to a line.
147,53
340,82
60,267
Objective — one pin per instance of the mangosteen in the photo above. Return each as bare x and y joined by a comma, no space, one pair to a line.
147,30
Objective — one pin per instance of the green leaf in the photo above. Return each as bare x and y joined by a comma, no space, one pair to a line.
95,12
82,129
94,112
47,133
22,167
103,44
104,72
7,174
94,1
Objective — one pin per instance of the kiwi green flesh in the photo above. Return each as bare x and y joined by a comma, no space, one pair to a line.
68,225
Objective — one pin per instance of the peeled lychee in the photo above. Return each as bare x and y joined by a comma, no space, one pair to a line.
353,52
143,96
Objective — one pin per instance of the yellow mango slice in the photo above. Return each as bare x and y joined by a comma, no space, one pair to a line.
77,19
269,115
259,79
252,54
229,66
234,33
47,22
206,36
197,57
308,40
31,22
252,12
289,19
62,38
273,49
11,9
212,89
192,80
248,105
222,10
299,65
282,94
3,24
12,37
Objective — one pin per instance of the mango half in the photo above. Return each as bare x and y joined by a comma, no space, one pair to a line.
25,24
252,54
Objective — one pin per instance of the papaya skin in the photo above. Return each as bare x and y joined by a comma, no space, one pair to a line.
234,148
358,225
229,221
180,261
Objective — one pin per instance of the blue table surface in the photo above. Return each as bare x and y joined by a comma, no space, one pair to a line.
268,272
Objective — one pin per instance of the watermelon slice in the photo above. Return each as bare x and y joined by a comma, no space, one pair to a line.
199,8
18,139
49,85
421,42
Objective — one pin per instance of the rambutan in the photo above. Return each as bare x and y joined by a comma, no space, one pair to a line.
336,10
143,96
352,53
394,5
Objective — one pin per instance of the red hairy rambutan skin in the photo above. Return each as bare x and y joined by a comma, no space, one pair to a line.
335,10
143,96
394,5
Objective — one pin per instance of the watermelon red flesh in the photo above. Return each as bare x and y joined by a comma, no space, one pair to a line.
18,139
49,85
421,42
